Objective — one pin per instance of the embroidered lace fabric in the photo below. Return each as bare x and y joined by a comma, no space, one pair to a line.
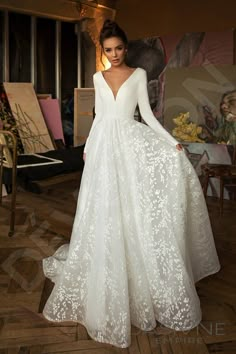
141,236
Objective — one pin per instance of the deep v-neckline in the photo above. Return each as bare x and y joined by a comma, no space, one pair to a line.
115,96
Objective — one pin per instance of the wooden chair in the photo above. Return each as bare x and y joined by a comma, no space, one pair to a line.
8,159
18,170
226,174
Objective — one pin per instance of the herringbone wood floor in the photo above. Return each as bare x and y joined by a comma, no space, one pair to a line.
43,223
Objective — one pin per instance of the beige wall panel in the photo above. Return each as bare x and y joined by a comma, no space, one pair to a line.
84,100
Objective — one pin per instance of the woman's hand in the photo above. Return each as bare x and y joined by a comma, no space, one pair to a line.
179,147
84,156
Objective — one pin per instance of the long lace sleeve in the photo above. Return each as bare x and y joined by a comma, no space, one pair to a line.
146,112
98,110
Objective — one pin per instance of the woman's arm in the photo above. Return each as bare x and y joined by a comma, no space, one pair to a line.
98,109
146,112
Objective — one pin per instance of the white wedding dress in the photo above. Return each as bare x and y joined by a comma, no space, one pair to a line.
141,235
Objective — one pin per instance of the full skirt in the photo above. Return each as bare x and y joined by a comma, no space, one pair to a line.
141,239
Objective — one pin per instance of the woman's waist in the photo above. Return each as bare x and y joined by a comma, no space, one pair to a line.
117,117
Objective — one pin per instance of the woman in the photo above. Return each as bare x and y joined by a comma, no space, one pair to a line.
141,236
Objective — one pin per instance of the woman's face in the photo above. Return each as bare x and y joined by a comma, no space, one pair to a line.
228,104
115,50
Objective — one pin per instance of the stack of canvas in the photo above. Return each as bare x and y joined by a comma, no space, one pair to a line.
51,111
28,116
20,113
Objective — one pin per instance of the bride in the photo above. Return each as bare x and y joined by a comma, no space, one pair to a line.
141,236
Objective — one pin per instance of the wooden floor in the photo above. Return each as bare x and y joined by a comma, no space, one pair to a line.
43,223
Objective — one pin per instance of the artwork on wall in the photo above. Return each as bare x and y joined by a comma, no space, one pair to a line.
29,120
200,103
192,91
83,114
149,54
158,54
199,48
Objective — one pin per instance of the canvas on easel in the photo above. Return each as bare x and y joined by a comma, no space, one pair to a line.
29,119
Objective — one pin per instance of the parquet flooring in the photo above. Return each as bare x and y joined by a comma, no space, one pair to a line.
43,223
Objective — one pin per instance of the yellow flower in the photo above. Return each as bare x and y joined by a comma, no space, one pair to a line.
186,130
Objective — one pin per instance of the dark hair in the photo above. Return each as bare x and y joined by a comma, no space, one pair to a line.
111,29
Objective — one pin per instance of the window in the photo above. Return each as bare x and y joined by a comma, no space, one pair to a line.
46,32
19,47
